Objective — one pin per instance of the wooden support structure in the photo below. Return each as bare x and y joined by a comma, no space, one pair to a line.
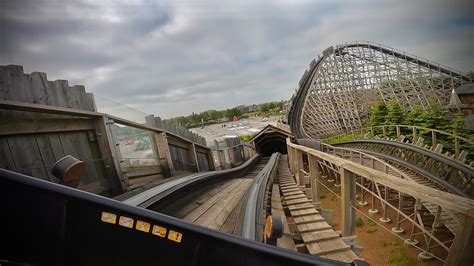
315,178
348,192
107,150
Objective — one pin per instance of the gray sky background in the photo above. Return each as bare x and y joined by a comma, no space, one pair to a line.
171,58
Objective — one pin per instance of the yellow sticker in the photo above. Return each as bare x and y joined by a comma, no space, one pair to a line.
108,217
142,226
175,236
159,231
126,221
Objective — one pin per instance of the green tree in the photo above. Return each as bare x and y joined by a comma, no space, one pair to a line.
413,117
459,125
395,116
377,116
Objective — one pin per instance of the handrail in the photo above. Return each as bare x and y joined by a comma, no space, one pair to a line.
400,126
446,200
41,108
387,165
361,134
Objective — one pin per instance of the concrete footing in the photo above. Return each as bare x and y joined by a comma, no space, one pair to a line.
398,230
363,203
385,220
373,211
411,242
425,256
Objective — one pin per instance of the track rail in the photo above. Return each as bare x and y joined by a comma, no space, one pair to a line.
158,193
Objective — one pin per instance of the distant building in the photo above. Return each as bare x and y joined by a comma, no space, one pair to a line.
462,99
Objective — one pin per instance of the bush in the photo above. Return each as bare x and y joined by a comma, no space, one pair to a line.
359,222
399,257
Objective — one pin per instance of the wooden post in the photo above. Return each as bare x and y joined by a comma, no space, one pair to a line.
164,154
290,158
414,134
221,156
210,159
107,150
461,250
314,177
299,165
193,156
348,192
456,147
398,131
433,139
384,132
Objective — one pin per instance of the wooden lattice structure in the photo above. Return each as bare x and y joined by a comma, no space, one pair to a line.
336,92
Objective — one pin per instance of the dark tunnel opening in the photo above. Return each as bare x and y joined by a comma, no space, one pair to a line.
271,143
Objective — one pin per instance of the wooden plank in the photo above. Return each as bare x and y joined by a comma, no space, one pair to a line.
327,247
308,219
140,171
300,206
286,241
296,197
198,212
319,236
221,211
7,161
296,201
298,192
445,200
296,213
344,256
311,227
26,155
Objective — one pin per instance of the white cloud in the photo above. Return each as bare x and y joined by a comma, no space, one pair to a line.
174,57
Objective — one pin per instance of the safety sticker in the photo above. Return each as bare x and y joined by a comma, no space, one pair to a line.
175,236
142,226
108,217
159,231
126,221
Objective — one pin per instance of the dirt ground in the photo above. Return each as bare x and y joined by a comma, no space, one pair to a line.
380,247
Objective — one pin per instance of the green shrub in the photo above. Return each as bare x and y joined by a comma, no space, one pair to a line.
359,222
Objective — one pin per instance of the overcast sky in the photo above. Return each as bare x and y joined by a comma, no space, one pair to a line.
174,57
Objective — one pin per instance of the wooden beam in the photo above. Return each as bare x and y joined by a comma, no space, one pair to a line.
461,250
164,154
314,177
106,147
34,126
348,192
445,200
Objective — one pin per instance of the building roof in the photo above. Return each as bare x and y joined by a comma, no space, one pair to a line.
465,89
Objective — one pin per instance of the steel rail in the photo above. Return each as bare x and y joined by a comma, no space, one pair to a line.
456,165
449,187
160,192
255,199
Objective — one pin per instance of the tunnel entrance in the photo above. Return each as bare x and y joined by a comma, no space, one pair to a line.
271,139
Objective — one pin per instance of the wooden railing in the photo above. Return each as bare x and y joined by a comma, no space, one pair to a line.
459,251
460,146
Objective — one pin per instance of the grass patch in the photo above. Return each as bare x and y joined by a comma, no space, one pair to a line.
371,230
359,222
400,258
385,243
371,222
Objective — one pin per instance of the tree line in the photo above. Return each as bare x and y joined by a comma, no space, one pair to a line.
215,116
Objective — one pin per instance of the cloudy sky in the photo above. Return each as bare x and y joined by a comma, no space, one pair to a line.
173,57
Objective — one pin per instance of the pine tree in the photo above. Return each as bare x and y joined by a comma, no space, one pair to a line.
395,116
377,116
458,125
414,117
